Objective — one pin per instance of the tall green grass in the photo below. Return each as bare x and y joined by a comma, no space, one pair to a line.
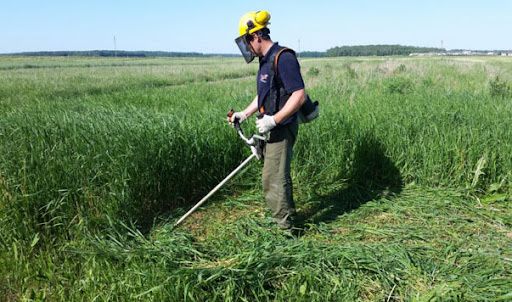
96,155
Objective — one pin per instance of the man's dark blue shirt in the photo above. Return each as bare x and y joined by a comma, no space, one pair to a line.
289,74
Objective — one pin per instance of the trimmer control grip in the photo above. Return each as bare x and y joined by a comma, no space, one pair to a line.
236,122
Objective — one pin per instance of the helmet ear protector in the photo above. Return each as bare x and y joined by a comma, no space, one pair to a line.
262,17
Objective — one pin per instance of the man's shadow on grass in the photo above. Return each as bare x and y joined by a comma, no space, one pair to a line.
372,175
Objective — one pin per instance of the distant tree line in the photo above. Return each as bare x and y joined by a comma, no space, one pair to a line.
312,54
115,53
378,50
339,51
369,50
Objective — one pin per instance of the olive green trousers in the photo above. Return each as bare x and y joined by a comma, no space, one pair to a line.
277,181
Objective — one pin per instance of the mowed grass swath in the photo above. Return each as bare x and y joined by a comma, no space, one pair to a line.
404,182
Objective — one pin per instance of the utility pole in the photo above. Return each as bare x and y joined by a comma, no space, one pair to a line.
298,53
115,46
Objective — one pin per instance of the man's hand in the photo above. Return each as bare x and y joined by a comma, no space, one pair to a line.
265,124
237,115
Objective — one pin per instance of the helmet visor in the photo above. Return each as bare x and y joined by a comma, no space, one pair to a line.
245,49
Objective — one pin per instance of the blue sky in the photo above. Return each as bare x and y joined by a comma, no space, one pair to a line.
211,26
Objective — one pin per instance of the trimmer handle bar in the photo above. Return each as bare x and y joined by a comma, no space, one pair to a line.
256,142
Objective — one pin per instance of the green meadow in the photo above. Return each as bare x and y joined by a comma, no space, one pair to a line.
403,184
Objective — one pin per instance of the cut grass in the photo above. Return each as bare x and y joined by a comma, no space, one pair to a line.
424,244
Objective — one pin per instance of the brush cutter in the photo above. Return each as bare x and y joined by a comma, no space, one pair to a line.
255,143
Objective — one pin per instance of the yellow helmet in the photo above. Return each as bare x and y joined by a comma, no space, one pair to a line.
251,22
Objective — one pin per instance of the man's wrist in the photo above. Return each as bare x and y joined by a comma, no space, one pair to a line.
277,118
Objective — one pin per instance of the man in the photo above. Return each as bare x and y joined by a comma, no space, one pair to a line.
280,95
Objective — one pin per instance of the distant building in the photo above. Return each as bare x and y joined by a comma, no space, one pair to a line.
462,52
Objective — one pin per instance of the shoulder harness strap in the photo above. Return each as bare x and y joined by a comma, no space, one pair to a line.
273,78
276,58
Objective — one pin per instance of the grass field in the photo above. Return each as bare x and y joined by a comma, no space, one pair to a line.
404,183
